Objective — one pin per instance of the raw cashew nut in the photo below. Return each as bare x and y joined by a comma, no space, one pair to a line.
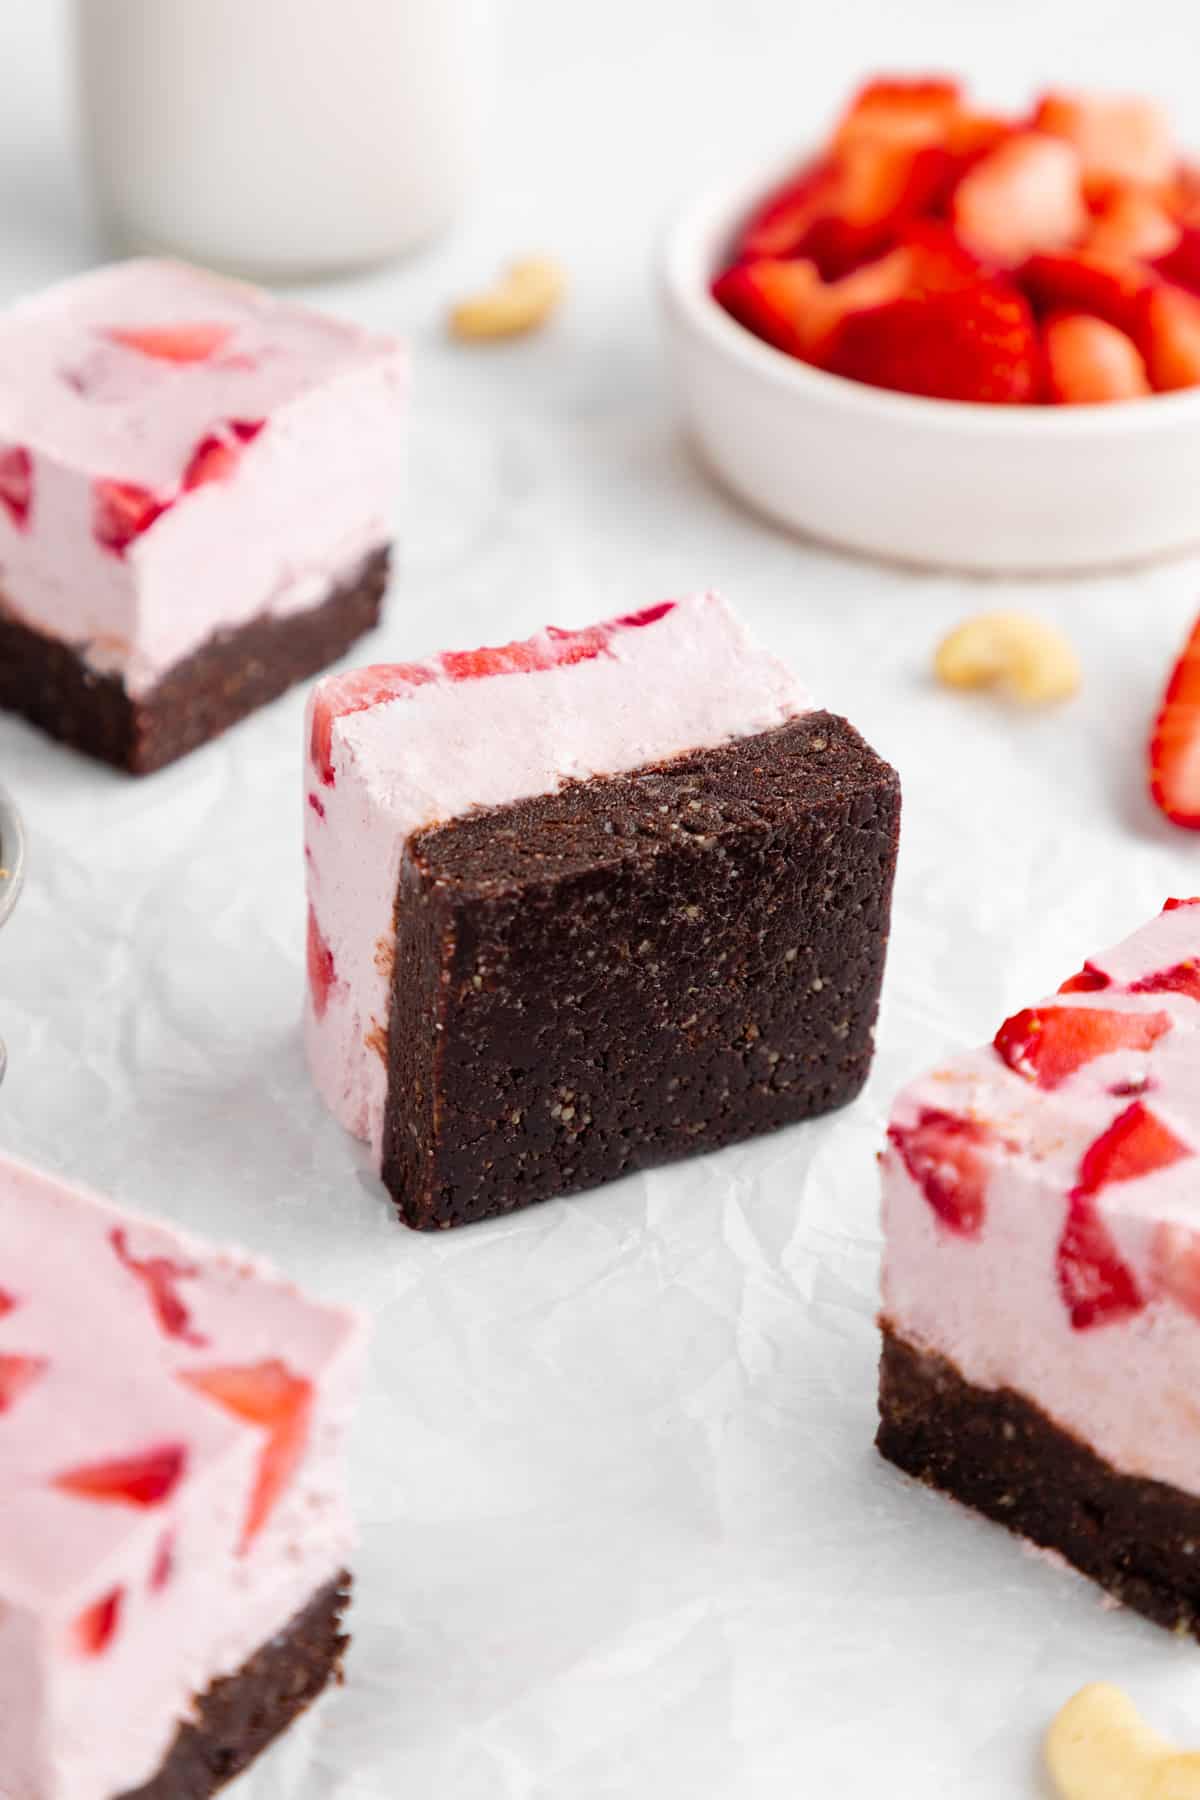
1100,1748
522,300
1032,659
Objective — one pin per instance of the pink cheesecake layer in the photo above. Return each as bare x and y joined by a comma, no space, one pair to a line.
171,1488
394,750
180,454
1041,1205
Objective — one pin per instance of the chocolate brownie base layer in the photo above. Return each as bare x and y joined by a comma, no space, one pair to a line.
229,676
636,968
999,1453
238,1718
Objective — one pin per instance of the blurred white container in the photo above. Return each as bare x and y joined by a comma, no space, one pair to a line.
283,138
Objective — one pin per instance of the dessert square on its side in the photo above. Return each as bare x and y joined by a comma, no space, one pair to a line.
174,1529
586,904
197,489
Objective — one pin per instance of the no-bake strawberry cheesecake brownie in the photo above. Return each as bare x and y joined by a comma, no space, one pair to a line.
1041,1285
173,1522
197,489
585,903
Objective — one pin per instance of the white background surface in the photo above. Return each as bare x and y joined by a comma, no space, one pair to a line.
624,1533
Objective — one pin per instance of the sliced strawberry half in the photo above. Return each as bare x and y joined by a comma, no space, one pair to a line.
1132,223
121,512
1049,1044
96,1626
16,483
17,1375
161,1278
948,1157
1090,980
1137,1143
976,343
1175,742
185,343
1181,978
358,691
1168,336
1118,138
1108,287
142,1481
269,1395
322,974
1025,196
907,109
1097,1286
1089,362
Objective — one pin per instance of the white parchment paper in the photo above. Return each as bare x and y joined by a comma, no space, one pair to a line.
623,1530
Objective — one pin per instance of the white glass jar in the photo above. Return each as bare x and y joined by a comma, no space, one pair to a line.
282,138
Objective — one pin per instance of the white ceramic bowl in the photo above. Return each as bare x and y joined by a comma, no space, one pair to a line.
1001,489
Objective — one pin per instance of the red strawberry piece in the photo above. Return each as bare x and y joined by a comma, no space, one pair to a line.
1108,287
1183,978
1137,1143
322,975
947,1157
1025,196
1090,980
1132,223
922,108
1174,905
17,1375
246,430
1181,265
570,647
164,1563
1089,362
121,512
787,304
1117,138
785,218
212,460
7,1303
358,691
189,343
268,1395
96,1626
1097,1286
142,1481
649,615
1175,742
317,804
1049,1044
1169,338
975,343
16,483
161,1277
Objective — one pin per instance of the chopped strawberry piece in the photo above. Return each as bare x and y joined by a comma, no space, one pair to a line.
16,483
1175,1265
1181,266
649,615
1135,1144
1169,338
161,1277
975,343
555,650
121,512
96,1626
212,460
190,343
922,109
1090,980
17,1375
1174,905
358,691
1097,1286
1049,1044
947,1157
322,975
1175,742
142,1481
1117,138
1183,978
246,430
787,304
164,1563
1089,362
268,1395
317,804
1109,287
7,1303
1132,223
1026,196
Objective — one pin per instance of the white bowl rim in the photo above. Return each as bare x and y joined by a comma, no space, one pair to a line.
687,267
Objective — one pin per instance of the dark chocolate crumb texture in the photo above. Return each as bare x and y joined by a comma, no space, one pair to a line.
49,683
636,968
237,1719
996,1451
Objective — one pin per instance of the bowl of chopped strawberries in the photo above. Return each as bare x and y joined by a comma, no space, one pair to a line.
954,338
